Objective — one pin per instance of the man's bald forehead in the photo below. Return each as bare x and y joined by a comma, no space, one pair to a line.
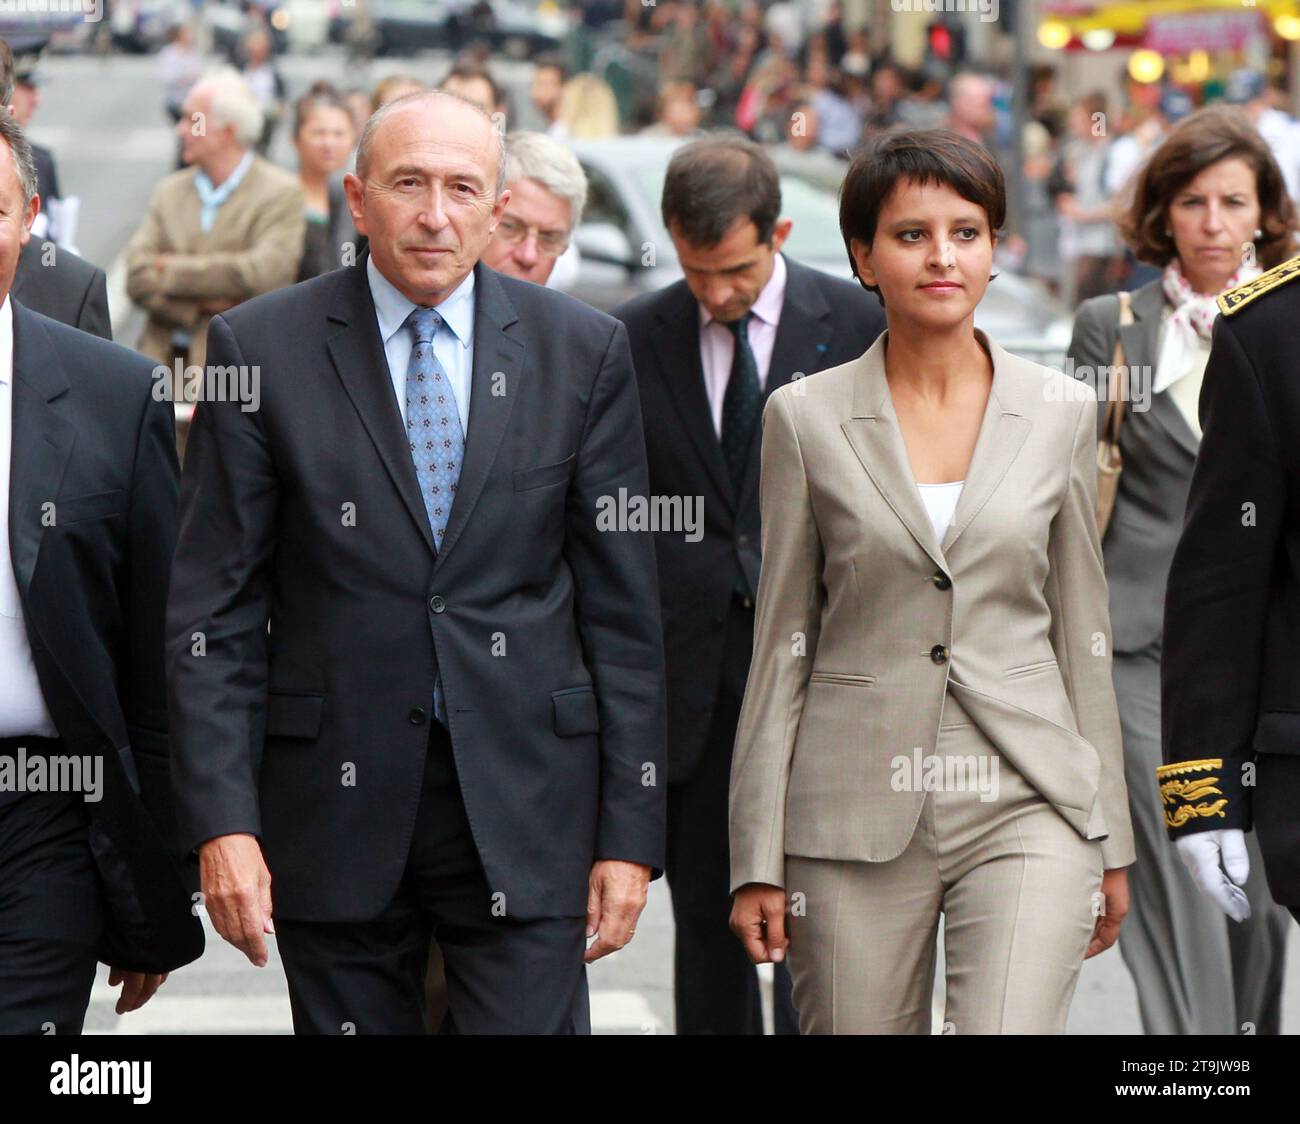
431,101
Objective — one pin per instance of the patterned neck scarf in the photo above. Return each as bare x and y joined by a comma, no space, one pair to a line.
1191,317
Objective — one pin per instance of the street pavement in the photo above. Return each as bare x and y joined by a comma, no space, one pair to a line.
105,123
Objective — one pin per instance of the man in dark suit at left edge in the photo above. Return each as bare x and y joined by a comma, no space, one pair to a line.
88,488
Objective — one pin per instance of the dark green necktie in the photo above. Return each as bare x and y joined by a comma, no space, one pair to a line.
742,403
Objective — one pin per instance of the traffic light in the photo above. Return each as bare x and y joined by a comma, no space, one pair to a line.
945,42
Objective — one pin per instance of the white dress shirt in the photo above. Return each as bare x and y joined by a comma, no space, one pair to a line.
22,705
454,350
718,345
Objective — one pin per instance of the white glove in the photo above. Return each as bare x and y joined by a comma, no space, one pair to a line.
1201,852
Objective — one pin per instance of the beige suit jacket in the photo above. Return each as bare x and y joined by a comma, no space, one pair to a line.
254,246
858,604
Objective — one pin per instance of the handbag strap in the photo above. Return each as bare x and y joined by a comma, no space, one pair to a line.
1119,370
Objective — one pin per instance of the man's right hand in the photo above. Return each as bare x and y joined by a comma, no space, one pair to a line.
237,892
1201,852
758,919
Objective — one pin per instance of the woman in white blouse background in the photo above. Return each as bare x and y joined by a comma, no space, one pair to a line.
929,726
1211,210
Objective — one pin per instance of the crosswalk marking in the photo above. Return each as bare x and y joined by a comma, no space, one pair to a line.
612,1012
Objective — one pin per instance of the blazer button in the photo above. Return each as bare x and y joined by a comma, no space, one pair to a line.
939,654
437,604
941,580
417,716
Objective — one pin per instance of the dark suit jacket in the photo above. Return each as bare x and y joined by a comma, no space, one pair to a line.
69,289
545,628
824,322
88,437
1159,450
1231,663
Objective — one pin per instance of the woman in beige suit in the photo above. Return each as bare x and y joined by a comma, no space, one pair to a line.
929,725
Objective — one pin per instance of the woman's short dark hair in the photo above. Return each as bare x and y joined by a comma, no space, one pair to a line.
923,156
322,95
713,181
1211,134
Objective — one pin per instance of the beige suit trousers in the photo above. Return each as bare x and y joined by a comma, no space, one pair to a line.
1017,887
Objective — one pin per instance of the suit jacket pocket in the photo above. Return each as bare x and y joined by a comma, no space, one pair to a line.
543,475
1278,732
575,712
97,505
844,678
1029,669
290,715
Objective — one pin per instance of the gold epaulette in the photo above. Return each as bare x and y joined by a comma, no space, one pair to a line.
1234,300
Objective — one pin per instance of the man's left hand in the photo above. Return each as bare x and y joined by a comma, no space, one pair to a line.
137,988
616,895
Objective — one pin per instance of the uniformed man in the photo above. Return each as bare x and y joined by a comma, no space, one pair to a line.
27,52
1231,668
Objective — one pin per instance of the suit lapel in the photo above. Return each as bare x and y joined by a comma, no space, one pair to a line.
676,341
494,389
43,436
874,434
358,355
1002,433
1141,341
803,339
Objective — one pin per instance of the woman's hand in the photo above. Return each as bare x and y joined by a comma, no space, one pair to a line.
1111,910
758,919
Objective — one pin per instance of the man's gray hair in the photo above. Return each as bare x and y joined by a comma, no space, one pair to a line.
377,118
20,149
234,103
535,156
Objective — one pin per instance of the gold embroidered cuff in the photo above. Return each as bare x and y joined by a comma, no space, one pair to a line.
1203,795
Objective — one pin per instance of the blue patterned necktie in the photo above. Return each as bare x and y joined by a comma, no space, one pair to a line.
437,442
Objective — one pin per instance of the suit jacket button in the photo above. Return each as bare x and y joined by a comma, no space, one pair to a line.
417,716
743,540
939,654
437,604
941,580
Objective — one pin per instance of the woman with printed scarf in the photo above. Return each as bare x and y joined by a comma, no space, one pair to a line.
1211,210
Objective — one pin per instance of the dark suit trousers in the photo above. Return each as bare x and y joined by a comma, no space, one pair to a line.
504,976
715,986
51,913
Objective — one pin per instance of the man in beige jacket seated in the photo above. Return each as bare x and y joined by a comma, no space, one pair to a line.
228,227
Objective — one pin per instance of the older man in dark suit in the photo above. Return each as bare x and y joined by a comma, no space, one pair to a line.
709,351
87,522
455,723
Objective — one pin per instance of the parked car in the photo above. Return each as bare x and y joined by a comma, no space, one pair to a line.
517,29
625,249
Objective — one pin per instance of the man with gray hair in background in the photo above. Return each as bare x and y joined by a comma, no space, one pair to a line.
228,227
548,191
